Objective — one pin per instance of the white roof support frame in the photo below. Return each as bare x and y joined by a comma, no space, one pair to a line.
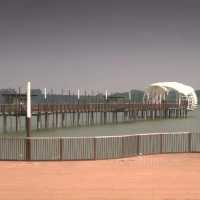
163,88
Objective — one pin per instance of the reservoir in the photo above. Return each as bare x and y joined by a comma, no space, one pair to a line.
191,123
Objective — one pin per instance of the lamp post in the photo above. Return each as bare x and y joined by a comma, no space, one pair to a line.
78,95
28,120
106,95
129,96
45,94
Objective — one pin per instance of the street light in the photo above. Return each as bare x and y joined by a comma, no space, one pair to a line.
28,117
45,94
106,95
78,95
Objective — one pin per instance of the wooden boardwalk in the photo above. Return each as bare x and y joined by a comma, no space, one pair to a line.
55,115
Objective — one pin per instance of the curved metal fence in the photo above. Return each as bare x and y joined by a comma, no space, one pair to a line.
97,148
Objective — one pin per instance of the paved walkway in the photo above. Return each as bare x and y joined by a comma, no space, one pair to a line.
158,177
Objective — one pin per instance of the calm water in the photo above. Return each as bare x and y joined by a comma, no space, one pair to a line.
192,123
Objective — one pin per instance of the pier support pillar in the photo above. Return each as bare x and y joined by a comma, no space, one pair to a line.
4,123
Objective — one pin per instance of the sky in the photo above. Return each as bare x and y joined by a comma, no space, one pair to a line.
99,44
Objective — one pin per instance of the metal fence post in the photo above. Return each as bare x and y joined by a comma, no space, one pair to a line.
161,142
189,142
28,148
95,146
123,146
61,148
138,145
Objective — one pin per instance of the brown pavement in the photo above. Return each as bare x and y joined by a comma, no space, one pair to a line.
155,177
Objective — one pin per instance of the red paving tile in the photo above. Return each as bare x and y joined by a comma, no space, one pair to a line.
156,177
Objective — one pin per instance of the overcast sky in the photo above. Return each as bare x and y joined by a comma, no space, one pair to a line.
116,45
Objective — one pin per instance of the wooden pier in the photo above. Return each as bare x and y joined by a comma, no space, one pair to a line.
88,114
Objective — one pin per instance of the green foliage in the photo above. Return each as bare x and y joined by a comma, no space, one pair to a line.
198,95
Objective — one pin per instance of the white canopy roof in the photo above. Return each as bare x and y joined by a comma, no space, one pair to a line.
179,87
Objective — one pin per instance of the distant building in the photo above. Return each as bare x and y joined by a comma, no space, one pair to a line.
117,98
6,95
10,96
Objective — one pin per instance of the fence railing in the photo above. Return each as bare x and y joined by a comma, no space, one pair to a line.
97,148
95,107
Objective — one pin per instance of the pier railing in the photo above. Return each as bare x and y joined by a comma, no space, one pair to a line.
89,107
46,116
97,148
